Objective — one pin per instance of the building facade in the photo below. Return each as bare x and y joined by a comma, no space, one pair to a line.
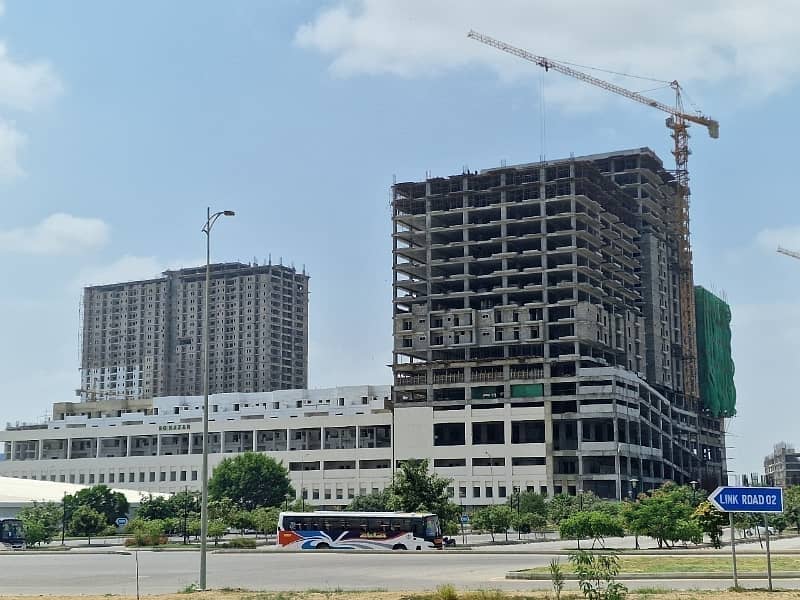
514,287
143,339
782,466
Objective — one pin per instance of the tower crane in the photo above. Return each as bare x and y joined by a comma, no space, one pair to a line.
678,123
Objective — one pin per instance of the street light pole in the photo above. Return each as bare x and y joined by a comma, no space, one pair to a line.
210,220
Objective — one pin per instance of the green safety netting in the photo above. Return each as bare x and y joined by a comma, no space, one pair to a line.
715,364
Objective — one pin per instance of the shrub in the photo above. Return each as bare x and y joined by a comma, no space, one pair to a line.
240,543
446,592
597,575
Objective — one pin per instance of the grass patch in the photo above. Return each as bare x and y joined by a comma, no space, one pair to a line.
692,564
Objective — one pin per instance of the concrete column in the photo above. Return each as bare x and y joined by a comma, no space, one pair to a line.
98,442
158,445
69,447
13,449
40,448
254,435
128,445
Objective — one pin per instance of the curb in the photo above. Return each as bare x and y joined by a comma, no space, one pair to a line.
662,576
62,553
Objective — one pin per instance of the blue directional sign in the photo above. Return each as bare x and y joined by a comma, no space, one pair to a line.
748,499
121,521
465,518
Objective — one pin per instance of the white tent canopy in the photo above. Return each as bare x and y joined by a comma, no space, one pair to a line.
16,493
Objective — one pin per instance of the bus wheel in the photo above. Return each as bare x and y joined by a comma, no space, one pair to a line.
398,547
323,546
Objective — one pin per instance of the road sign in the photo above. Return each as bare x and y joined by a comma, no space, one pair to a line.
121,521
748,499
465,518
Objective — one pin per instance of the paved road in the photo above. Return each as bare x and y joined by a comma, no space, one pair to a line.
167,572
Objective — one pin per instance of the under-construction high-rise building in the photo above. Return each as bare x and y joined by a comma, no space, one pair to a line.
536,309
144,339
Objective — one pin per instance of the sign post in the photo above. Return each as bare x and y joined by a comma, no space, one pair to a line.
733,552
769,561
766,500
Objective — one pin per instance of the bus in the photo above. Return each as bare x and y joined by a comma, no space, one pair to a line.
12,536
340,530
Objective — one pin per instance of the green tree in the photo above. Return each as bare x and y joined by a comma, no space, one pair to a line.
241,520
154,507
563,506
415,489
100,498
595,525
791,501
664,514
528,502
494,519
711,521
86,522
265,520
35,533
376,501
251,480
216,529
528,522
41,521
222,509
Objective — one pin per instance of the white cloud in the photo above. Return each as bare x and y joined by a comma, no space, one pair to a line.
130,268
752,45
26,86
788,237
11,142
766,352
57,234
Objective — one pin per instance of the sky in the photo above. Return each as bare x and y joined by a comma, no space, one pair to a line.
120,122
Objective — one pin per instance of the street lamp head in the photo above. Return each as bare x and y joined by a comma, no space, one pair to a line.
634,482
228,213
693,484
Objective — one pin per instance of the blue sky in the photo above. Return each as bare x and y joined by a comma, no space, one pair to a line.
120,122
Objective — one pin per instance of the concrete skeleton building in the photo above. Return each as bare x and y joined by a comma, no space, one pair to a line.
537,345
552,287
782,466
143,339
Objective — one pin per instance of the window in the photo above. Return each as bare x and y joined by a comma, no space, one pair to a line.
450,462
462,492
489,432
194,475
489,491
501,491
448,434
476,491
527,432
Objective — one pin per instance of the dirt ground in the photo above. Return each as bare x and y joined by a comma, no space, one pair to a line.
652,594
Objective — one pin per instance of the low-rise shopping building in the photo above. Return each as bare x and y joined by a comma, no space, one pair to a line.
338,442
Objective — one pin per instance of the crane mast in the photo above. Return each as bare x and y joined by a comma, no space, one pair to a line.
678,123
